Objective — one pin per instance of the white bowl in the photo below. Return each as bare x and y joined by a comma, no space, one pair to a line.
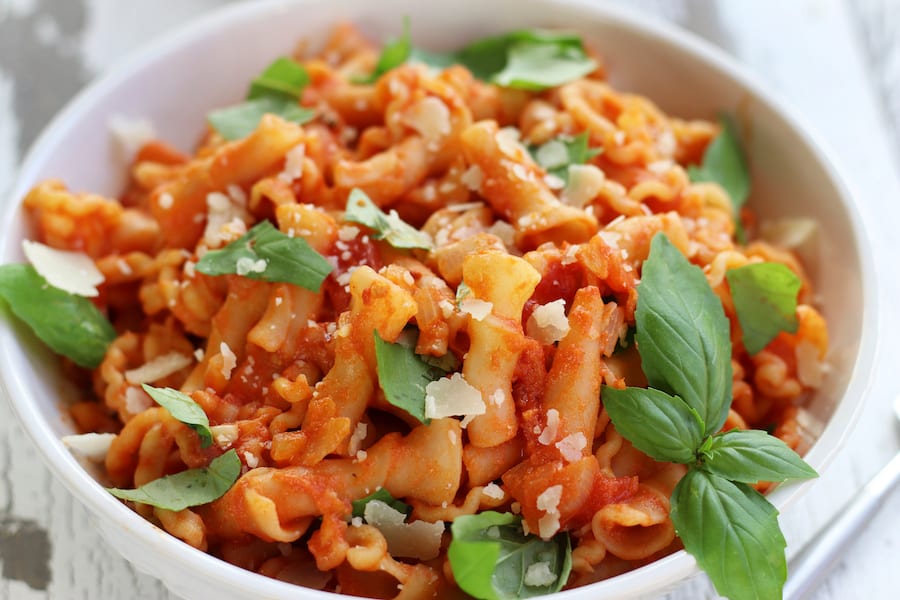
207,64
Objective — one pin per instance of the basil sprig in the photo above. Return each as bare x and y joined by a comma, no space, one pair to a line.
683,339
188,488
557,154
765,300
530,59
385,226
70,325
723,163
182,407
381,495
276,90
404,375
266,253
491,556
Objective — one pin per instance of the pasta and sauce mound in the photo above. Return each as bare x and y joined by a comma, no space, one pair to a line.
401,309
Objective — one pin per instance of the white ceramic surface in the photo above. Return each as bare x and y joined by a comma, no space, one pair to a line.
207,64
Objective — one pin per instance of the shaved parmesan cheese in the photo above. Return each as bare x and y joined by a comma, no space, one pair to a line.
504,231
159,367
479,309
246,265
359,434
293,164
224,435
452,396
418,539
251,459
508,141
585,182
472,178
430,117
551,155
539,575
229,360
130,135
166,201
572,446
548,502
552,429
92,446
72,272
493,491
548,323
225,218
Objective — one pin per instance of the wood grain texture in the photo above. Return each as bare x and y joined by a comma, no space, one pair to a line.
835,63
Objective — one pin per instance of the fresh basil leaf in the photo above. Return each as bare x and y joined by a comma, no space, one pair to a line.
491,557
732,531
750,456
538,66
394,53
239,121
661,426
556,155
386,226
723,163
382,495
188,488
403,376
182,407
683,334
266,253
447,363
765,300
283,78
70,325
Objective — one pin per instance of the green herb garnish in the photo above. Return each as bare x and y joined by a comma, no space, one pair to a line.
266,253
556,155
723,163
683,339
403,376
70,325
765,300
182,407
277,91
530,59
188,488
492,558
385,226
382,495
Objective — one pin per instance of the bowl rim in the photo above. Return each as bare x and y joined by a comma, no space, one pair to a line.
675,567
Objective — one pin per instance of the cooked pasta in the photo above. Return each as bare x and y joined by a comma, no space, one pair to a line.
526,289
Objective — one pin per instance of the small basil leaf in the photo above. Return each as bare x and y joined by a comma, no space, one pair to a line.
751,456
382,495
732,531
386,226
491,557
182,407
723,163
765,300
394,53
556,155
188,488
661,426
683,334
537,66
70,325
267,254
403,376
283,78
239,121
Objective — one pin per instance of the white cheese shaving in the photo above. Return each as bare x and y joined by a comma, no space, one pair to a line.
224,216
251,459
359,434
246,265
548,501
430,117
452,396
224,435
508,141
293,164
539,575
473,178
572,446
585,182
552,429
130,134
551,155
72,272
493,491
166,201
548,323
418,539
229,360
157,368
92,446
348,232
504,231
479,309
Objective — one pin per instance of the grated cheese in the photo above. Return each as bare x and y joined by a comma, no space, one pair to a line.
551,155
548,501
585,182
572,446
229,360
246,265
157,368
473,178
130,134
418,539
166,201
293,164
359,434
539,575
548,323
92,446
430,117
494,491
72,272
552,429
479,309
452,396
224,435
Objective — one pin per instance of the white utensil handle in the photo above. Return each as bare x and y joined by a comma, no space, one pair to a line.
813,564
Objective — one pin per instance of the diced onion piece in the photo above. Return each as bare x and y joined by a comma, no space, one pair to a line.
419,539
159,367
72,272
92,446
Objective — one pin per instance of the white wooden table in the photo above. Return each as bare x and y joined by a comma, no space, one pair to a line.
835,62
